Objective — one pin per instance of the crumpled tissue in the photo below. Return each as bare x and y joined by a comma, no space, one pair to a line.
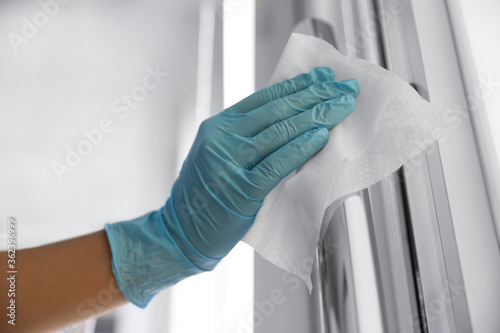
390,125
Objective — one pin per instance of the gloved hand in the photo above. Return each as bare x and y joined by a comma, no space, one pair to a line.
237,158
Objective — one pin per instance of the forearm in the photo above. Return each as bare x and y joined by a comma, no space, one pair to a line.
61,284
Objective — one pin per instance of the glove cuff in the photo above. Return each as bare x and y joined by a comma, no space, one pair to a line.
146,257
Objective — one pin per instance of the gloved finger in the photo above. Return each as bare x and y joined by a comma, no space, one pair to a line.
324,115
268,173
353,87
282,89
278,110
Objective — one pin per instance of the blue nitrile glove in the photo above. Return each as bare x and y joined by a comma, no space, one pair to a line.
238,157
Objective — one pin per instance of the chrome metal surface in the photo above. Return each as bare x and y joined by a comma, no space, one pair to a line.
337,282
447,190
418,232
482,131
385,208
426,196
317,28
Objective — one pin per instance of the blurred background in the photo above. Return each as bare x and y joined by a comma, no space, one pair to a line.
144,74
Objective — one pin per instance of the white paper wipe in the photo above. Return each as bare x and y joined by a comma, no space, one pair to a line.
390,125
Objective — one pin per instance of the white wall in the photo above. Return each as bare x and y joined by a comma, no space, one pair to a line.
64,80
